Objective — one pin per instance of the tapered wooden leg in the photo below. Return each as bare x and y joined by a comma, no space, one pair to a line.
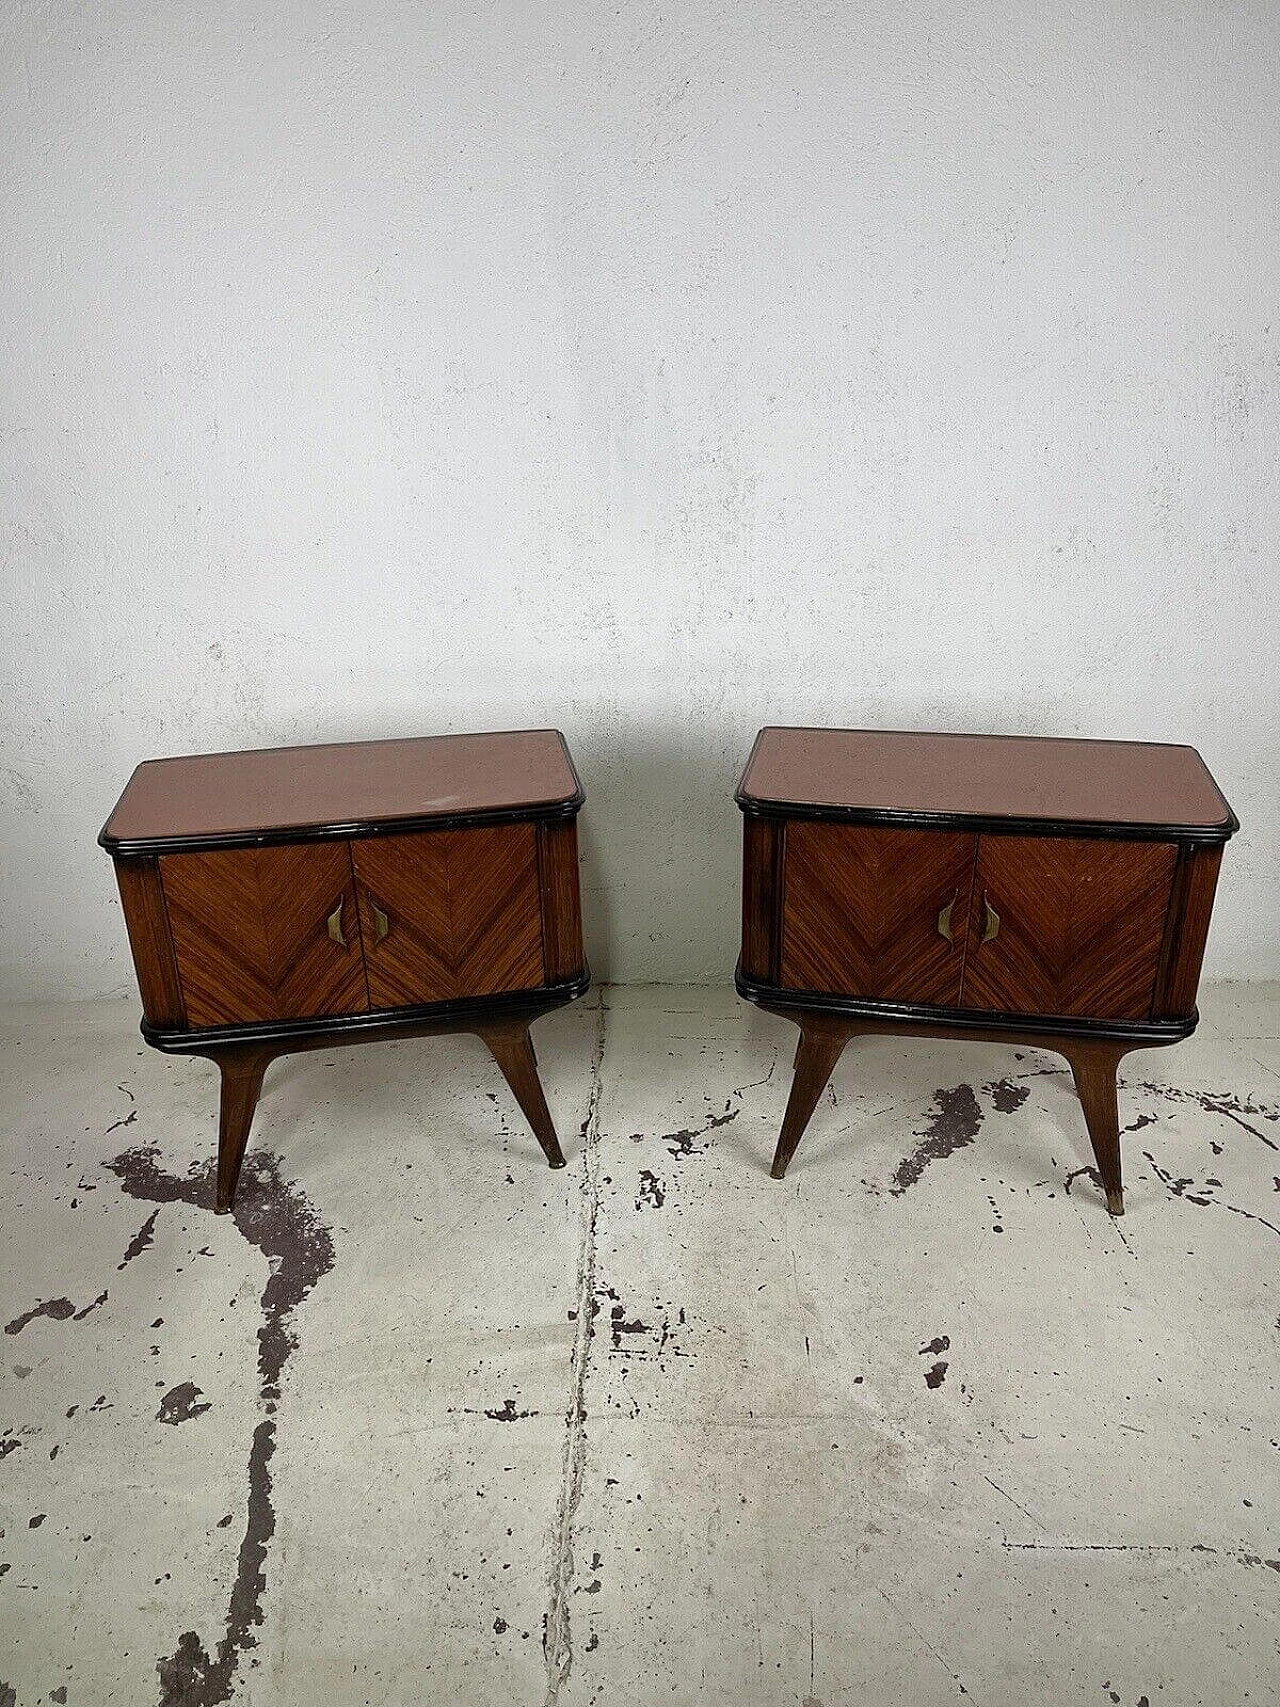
512,1048
242,1071
1094,1066
822,1043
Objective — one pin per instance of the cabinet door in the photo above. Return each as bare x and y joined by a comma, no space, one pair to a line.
448,914
265,933
875,913
1061,925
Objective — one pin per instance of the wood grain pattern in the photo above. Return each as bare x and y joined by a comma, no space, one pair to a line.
512,1048
147,923
1194,889
1084,872
762,845
860,911
1081,925
251,938
562,952
496,909
821,1045
463,911
237,957
241,1070
1094,1066
407,878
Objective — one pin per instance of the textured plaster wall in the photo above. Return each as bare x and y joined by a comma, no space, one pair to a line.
651,371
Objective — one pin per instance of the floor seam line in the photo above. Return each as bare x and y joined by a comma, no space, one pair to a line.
557,1643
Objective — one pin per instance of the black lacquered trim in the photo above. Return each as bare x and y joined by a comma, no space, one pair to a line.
1204,835
968,1019
350,1026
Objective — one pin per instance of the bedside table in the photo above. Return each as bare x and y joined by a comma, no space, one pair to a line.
1050,893
302,897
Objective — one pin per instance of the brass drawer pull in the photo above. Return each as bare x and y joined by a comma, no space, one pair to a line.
944,920
992,930
381,924
335,925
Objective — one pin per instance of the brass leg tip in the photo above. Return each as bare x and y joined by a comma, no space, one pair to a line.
775,1172
558,1164
223,1209
1115,1202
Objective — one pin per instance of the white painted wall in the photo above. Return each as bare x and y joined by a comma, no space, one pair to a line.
655,371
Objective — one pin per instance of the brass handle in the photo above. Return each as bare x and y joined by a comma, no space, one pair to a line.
944,920
335,925
992,930
380,923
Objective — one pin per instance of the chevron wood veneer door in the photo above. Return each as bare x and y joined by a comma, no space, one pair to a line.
251,935
461,909
495,897
860,911
1081,924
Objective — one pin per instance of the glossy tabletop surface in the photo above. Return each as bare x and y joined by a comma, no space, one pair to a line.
878,773
221,798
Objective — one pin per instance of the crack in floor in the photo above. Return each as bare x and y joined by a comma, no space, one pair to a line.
557,1641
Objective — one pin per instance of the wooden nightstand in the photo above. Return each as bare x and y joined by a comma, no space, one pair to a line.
1045,892
302,897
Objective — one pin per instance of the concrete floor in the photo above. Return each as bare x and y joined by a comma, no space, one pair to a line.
426,1422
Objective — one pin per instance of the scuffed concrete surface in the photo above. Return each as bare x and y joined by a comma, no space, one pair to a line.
426,1422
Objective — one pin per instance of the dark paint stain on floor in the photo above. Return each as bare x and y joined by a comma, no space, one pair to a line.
1234,1108
1007,1095
179,1404
140,1240
57,1309
683,1144
936,1374
1088,1173
1180,1188
639,1338
277,1219
651,1190
955,1122
507,1413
